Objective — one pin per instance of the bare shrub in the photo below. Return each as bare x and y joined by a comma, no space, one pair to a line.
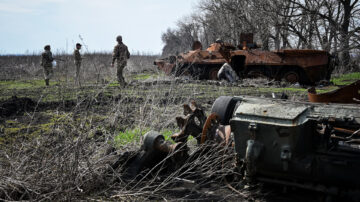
207,165
57,167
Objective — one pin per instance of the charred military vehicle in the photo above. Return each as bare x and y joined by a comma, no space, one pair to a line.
303,66
306,145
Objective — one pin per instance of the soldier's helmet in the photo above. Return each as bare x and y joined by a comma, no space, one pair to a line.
78,44
47,47
119,38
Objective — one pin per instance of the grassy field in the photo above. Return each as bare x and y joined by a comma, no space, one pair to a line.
147,95
346,79
55,139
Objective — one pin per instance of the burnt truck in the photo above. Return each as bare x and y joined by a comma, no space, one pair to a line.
303,66
307,145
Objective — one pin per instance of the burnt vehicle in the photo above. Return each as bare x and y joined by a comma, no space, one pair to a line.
306,145
303,66
197,63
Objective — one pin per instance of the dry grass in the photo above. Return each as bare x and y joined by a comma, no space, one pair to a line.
95,66
73,158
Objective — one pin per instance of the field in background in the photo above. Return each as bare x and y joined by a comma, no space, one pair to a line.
76,127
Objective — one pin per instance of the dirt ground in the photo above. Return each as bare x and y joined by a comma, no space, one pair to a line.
59,142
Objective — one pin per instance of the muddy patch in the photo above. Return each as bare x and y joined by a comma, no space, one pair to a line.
15,106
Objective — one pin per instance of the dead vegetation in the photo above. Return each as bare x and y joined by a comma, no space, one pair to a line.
62,145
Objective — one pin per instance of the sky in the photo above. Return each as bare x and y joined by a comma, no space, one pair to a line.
26,26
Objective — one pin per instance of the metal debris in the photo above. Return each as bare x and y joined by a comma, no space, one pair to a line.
202,128
346,94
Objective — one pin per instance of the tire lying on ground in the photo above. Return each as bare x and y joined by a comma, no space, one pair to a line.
223,107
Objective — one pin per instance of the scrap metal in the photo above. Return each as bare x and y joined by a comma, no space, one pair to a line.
301,144
297,144
346,94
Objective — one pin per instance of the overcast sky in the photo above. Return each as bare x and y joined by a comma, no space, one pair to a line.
28,25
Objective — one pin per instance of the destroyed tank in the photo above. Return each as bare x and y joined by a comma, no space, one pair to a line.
306,145
303,66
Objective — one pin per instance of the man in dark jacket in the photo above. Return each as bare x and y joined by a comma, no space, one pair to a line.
77,61
46,63
120,55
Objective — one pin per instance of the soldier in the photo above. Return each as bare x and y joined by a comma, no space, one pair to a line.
77,61
46,62
120,54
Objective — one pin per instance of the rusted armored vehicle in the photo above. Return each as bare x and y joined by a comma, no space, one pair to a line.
197,63
303,66
295,143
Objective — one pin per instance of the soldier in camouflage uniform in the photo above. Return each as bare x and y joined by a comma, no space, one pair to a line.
46,63
120,54
77,61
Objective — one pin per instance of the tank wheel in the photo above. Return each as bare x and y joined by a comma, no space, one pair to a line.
224,107
212,75
255,74
291,77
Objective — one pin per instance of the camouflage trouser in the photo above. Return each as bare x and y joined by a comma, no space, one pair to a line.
120,67
77,74
48,72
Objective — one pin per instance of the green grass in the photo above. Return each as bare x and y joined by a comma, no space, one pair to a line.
13,130
129,136
143,76
346,79
134,135
23,84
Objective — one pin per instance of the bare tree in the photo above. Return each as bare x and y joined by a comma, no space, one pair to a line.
331,25
344,21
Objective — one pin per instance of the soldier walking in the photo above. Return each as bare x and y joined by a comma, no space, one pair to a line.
77,61
121,55
46,63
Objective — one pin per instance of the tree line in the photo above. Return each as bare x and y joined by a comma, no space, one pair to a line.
331,25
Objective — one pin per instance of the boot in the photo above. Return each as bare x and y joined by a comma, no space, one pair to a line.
47,82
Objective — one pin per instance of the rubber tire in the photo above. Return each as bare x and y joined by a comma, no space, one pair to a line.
294,73
149,140
224,107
